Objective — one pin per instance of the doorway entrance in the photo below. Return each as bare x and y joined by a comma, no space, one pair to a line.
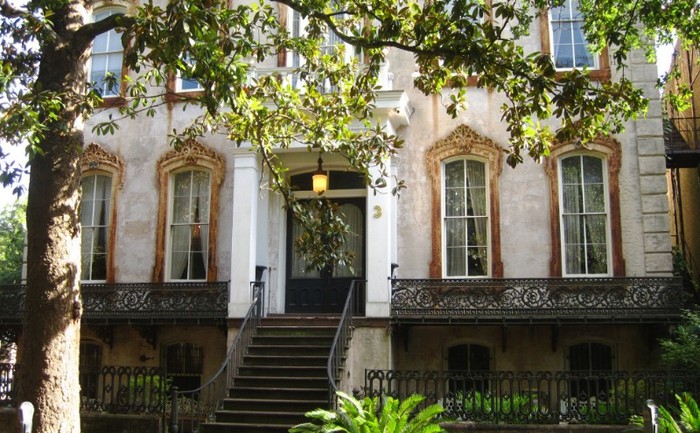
325,291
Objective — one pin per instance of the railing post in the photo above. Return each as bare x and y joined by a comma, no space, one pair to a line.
26,417
174,422
651,417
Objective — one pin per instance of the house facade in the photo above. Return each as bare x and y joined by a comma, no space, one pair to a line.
557,265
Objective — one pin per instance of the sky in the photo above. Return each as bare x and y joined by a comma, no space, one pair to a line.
664,55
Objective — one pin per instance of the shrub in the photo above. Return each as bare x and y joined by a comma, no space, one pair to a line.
366,416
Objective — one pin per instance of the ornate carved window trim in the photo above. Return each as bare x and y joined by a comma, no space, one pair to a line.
194,155
610,151
464,141
96,160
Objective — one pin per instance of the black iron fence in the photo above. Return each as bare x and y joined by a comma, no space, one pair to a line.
541,300
195,300
591,397
110,389
341,341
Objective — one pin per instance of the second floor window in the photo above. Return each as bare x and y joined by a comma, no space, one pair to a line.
584,216
95,219
189,225
569,44
465,219
107,53
185,84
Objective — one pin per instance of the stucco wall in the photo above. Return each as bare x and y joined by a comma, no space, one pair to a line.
526,348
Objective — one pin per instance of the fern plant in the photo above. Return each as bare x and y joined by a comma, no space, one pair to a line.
688,417
363,416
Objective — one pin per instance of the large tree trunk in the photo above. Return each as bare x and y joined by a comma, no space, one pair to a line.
51,330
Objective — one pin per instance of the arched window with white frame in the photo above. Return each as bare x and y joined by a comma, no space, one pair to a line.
465,216
584,215
189,225
95,219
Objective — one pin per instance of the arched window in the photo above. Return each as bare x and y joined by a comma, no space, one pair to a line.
463,361
584,216
189,225
590,361
189,179
95,215
465,217
585,209
184,363
103,176
464,169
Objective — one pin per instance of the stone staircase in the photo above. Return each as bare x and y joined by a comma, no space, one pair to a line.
282,377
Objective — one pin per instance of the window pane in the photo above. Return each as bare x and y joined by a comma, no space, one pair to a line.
455,232
597,260
455,202
595,200
574,259
592,170
573,201
456,261
99,44
454,174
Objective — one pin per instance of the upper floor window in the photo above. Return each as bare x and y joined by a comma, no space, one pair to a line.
107,54
185,84
465,218
569,44
584,216
189,180
297,29
103,177
189,225
95,214
464,170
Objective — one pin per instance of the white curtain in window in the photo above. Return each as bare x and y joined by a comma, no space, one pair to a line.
353,217
466,218
189,242
584,217
476,183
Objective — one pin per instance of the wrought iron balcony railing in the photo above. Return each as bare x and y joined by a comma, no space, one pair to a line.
153,302
555,300
536,397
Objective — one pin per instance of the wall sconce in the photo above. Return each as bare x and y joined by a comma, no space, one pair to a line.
320,178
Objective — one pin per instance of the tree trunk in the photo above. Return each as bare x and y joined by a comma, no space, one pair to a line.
50,340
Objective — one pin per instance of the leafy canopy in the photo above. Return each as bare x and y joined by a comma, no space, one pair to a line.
222,47
12,232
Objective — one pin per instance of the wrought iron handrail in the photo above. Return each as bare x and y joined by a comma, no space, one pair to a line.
152,301
201,403
538,299
343,334
537,397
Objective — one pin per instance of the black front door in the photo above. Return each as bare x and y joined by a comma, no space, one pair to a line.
325,291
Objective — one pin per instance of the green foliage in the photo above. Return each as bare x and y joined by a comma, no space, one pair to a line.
682,350
12,232
684,419
365,416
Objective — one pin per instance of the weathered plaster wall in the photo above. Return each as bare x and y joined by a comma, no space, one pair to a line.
525,348
140,144
128,345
